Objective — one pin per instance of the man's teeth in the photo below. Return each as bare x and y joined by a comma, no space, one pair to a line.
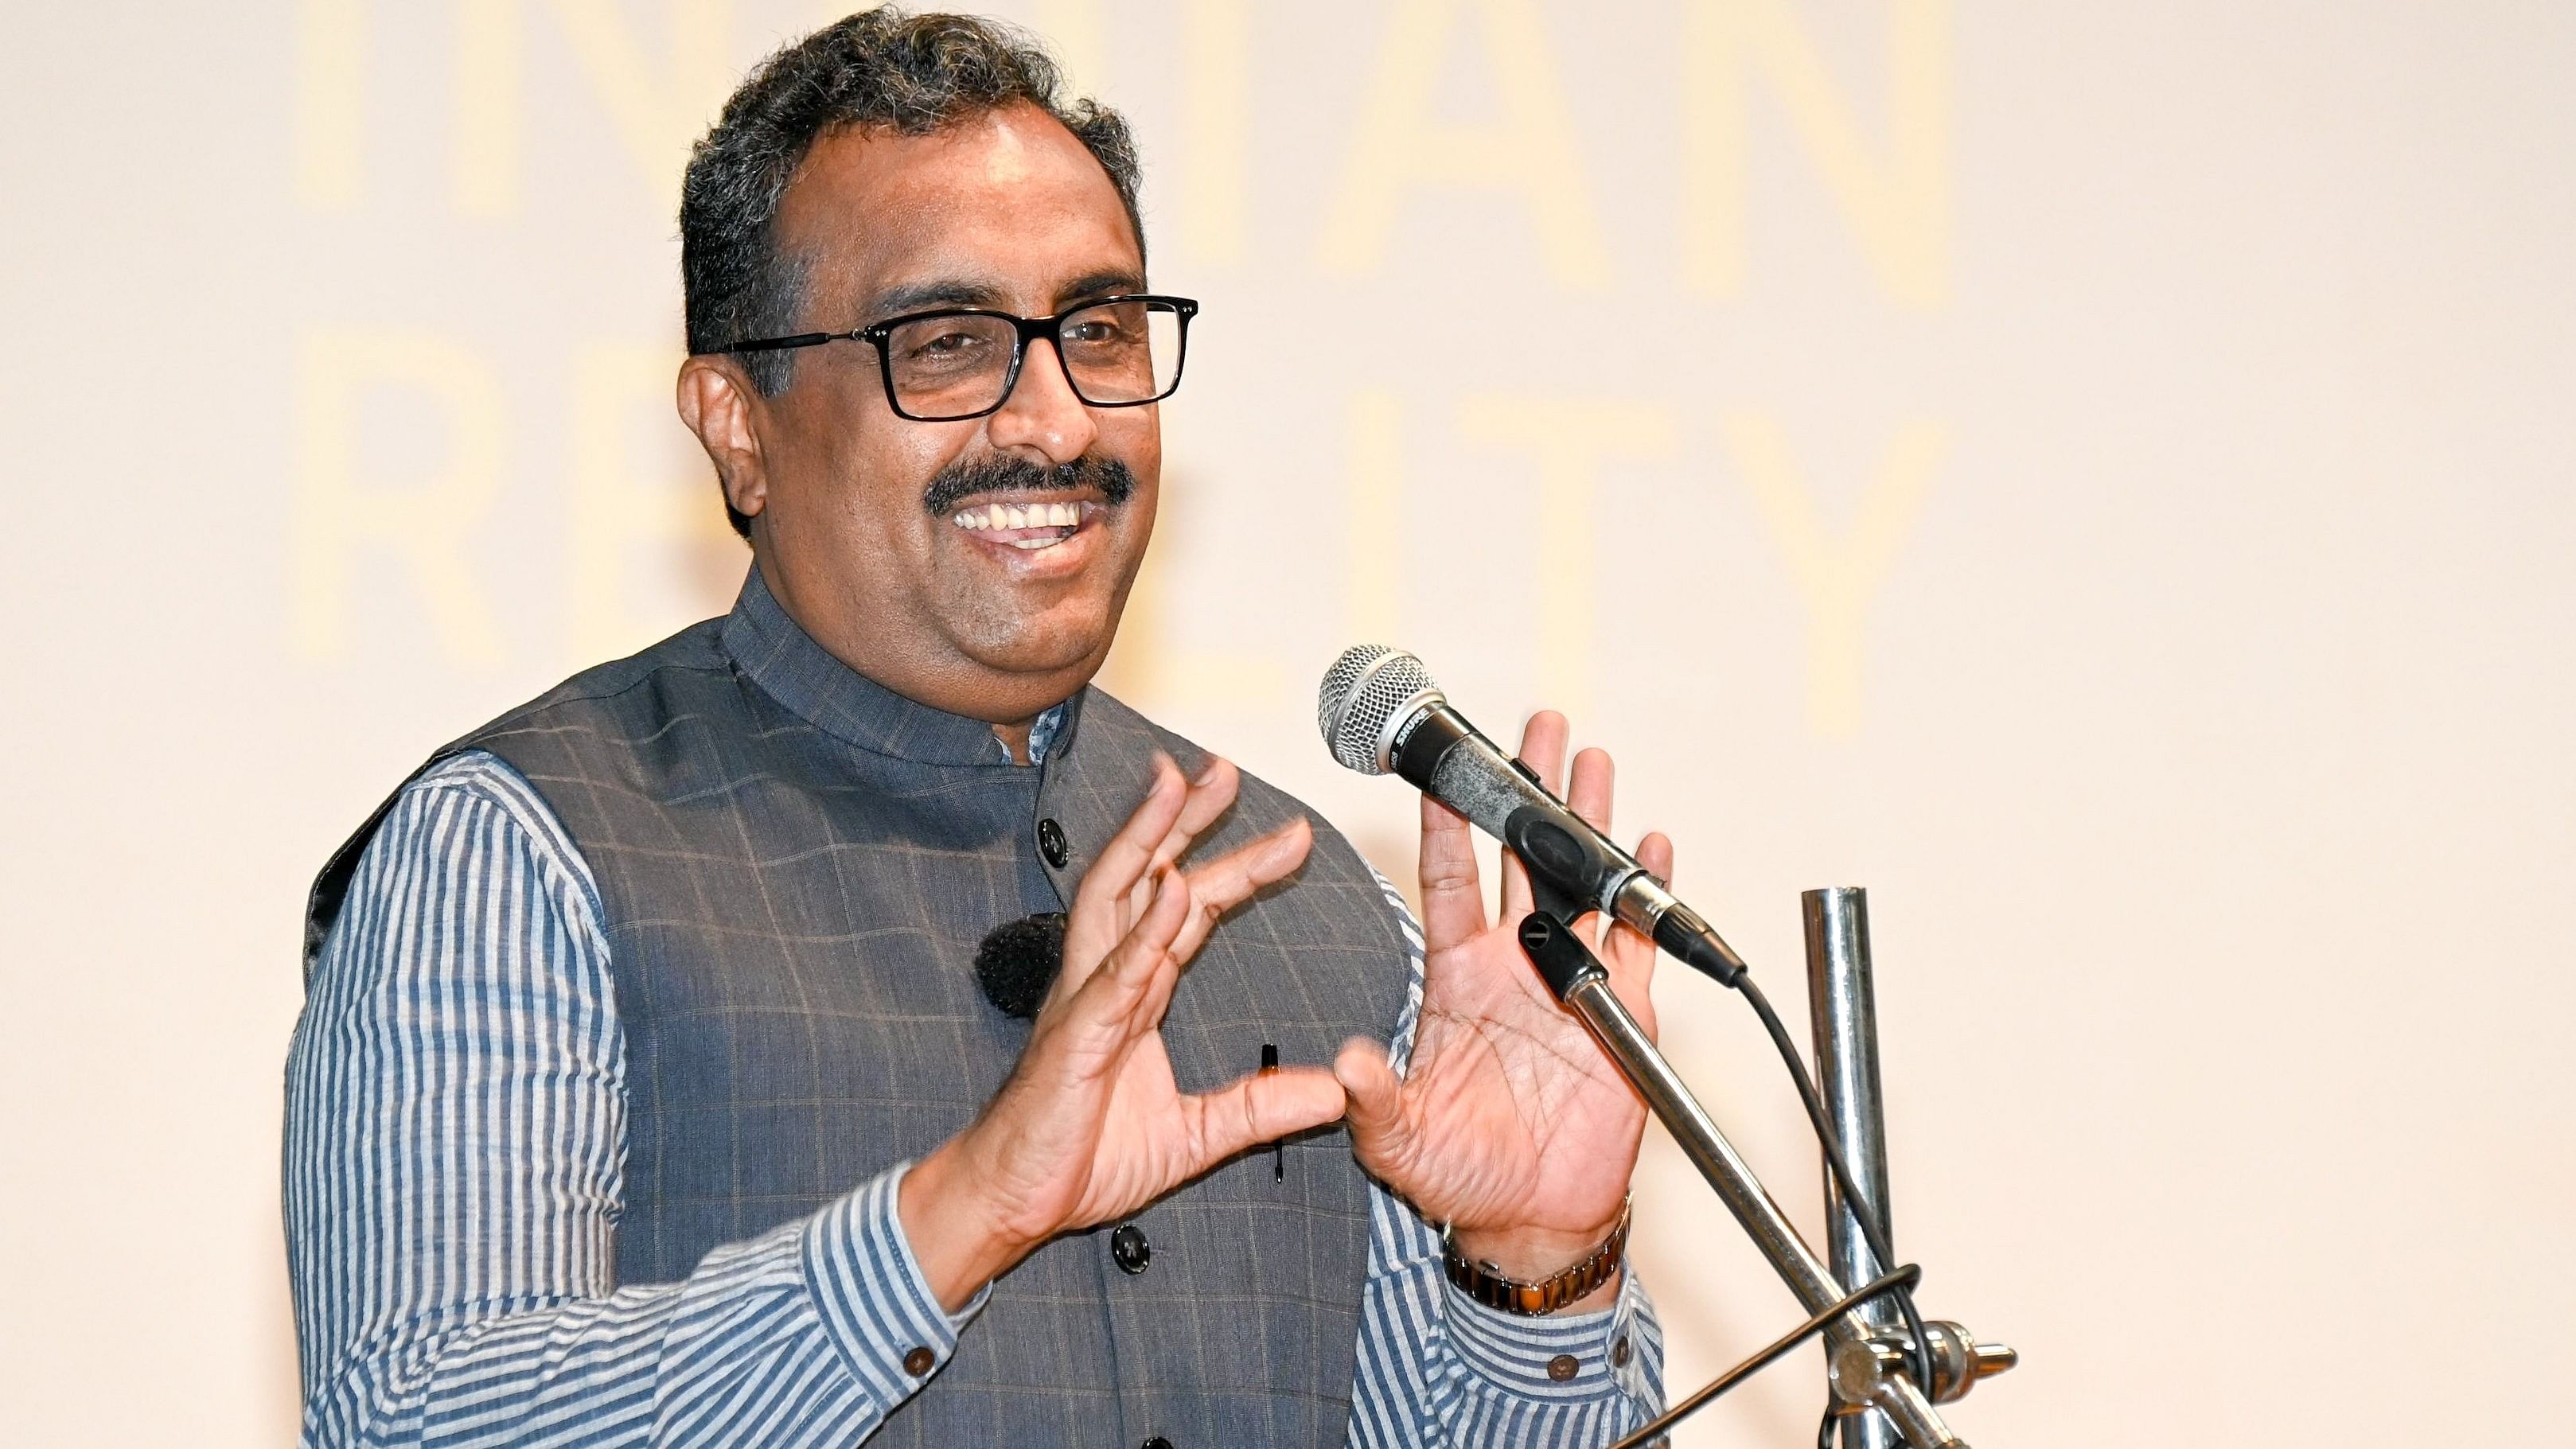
1034,515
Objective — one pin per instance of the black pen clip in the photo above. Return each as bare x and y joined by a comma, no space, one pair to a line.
1278,1153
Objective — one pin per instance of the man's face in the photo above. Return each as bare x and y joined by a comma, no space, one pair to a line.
857,511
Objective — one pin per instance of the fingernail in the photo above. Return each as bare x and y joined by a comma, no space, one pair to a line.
1207,772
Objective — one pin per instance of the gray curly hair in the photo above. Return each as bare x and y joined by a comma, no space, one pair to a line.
881,68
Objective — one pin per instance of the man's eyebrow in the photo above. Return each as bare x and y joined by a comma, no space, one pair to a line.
920,295
1109,282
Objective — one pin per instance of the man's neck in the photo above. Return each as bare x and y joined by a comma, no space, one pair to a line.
1015,738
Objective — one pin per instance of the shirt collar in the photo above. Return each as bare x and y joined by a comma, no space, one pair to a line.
779,656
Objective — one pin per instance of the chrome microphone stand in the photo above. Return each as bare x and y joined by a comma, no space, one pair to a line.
1842,1007
1867,1359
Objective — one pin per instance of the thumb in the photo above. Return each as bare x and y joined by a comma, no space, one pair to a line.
1380,1133
1256,1108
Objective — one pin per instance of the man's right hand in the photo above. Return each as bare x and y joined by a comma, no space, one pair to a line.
1091,1126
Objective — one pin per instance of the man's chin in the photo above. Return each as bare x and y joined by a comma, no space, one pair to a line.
1046,647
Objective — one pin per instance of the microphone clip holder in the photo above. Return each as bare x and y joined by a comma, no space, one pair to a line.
1868,1363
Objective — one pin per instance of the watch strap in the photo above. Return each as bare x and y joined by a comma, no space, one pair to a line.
1488,1285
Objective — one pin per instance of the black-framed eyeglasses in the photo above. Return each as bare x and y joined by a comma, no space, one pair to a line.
962,362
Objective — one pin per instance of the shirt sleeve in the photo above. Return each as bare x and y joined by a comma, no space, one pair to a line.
1438,1368
455,1148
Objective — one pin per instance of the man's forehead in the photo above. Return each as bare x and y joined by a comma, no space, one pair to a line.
1003,209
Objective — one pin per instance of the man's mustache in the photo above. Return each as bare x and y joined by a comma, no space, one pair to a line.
999,474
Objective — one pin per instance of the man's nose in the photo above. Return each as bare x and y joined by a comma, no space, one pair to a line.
1043,413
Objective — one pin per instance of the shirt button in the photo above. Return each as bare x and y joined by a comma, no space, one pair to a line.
1562,1367
919,1361
1051,843
1129,1250
1619,1350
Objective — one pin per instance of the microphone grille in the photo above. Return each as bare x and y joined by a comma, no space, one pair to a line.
1369,691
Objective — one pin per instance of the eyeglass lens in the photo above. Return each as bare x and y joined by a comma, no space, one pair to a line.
1114,352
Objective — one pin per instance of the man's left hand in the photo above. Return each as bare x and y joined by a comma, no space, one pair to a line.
1510,1125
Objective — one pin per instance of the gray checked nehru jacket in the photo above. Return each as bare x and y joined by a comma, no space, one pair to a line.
795,866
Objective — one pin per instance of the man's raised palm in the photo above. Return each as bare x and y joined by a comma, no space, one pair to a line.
1509,1124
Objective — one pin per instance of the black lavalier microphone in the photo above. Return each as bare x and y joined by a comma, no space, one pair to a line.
1018,961
1380,712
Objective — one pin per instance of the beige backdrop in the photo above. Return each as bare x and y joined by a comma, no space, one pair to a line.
2099,478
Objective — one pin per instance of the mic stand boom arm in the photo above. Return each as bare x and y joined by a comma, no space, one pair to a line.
1579,981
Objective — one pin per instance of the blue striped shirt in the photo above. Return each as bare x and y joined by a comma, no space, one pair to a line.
455,1147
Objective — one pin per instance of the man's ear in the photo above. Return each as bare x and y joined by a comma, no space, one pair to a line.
716,401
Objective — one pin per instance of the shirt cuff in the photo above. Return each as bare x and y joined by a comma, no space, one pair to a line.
1559,1357
869,1290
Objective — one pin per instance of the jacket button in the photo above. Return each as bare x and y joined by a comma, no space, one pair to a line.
1129,1250
1051,843
1157,1442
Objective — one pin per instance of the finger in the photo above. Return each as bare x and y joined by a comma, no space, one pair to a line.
1155,961
1630,953
1589,791
1211,794
1233,878
1208,794
1128,858
1120,994
1453,899
1381,1136
1230,879
1113,891
1261,1107
1543,750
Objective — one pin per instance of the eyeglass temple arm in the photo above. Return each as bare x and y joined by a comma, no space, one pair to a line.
781,344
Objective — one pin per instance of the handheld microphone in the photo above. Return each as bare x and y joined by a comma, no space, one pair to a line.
1380,712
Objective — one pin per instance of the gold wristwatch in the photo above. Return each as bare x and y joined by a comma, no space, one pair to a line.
1486,1283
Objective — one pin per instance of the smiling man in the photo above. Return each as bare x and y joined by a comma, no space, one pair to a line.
645,1093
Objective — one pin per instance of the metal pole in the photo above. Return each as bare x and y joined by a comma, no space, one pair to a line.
1843,1009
